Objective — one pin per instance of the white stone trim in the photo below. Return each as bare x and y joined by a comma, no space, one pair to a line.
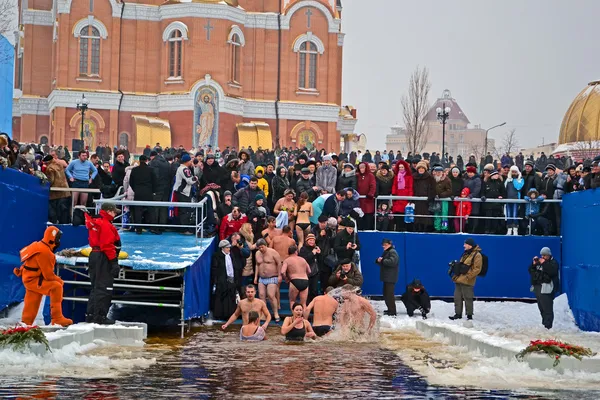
235,29
341,37
346,125
38,17
90,20
30,106
97,100
173,26
16,108
333,23
308,37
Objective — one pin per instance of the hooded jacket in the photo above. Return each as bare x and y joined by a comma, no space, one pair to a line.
366,186
463,208
349,204
162,170
398,206
230,225
384,183
279,184
346,179
263,184
103,235
247,167
38,258
514,185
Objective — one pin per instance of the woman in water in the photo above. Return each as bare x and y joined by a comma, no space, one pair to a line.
296,328
253,332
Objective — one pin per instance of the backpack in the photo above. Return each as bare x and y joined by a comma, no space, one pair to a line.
484,265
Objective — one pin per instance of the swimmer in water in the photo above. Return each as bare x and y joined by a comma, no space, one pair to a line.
296,328
252,332
353,311
246,306
323,307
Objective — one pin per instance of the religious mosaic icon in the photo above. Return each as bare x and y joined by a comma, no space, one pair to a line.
206,118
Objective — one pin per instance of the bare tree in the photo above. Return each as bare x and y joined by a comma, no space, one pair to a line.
415,106
8,24
586,149
510,143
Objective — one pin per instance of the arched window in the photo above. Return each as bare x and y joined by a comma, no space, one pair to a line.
124,139
175,53
89,51
236,49
307,78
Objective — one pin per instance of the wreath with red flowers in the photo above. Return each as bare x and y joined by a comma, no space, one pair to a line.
555,349
21,336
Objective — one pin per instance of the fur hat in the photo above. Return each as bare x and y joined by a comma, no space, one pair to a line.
310,236
422,164
472,169
489,167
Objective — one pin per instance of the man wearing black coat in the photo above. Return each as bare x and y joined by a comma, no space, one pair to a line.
492,188
324,236
162,171
346,242
388,274
544,281
143,183
416,298
331,207
118,172
212,171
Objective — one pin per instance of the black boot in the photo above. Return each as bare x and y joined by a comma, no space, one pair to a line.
424,315
89,318
469,317
455,316
104,321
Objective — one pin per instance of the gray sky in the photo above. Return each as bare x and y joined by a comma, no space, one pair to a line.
519,61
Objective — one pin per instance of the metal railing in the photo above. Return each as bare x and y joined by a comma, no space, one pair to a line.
119,195
380,199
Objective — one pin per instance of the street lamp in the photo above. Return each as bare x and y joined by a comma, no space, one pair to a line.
82,105
486,137
443,113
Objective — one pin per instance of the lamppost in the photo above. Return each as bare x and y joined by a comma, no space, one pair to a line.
82,105
443,113
486,137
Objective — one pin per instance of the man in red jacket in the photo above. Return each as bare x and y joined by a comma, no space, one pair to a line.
232,223
103,262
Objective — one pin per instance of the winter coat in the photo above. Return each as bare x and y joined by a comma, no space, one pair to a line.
545,272
346,180
306,185
547,188
118,172
354,276
162,170
366,186
532,180
398,206
331,207
388,271
348,205
229,225
474,260
424,186
341,240
384,183
279,186
143,182
493,189
443,188
457,185
513,187
463,208
474,185
326,178
213,174
460,163
58,179
127,189
247,168
243,198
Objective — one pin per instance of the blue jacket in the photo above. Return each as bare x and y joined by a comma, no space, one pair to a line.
81,170
533,205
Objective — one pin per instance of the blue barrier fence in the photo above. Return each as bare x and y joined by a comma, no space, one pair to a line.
426,257
581,257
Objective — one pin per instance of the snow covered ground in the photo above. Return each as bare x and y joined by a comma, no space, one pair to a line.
514,324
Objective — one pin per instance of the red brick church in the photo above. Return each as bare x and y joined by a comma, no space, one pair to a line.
192,73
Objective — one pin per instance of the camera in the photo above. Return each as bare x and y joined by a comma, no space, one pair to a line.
343,274
239,242
457,268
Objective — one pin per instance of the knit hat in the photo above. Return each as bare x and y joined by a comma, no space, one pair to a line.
386,241
327,158
185,157
472,169
226,193
310,236
438,168
422,164
546,252
348,165
224,244
385,166
470,242
259,197
488,167
209,156
530,163
47,158
455,169
551,166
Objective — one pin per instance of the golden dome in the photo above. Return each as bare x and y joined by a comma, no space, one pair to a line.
582,120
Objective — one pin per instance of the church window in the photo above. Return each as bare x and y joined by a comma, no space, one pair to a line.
236,48
307,78
89,51
175,54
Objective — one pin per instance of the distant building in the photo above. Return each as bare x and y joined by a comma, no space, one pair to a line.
6,84
537,151
461,138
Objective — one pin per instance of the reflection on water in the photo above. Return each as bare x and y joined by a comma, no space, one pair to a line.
215,365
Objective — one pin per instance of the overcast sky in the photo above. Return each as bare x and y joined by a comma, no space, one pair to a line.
519,61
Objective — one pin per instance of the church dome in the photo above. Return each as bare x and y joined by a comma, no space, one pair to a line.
582,120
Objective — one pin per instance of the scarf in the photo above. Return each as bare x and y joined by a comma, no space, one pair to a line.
228,265
401,182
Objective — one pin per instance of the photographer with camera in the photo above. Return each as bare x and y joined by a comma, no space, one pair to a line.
464,274
544,283
416,298
388,274
346,274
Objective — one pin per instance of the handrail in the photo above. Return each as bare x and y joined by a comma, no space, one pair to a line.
78,190
151,203
474,200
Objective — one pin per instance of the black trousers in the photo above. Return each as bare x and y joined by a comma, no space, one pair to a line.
313,287
185,213
161,214
388,296
101,278
324,275
59,211
142,215
545,303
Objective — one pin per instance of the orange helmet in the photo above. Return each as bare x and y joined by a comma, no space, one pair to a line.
52,237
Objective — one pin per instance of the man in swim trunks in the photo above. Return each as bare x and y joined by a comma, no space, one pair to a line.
250,303
295,270
323,308
271,230
267,275
353,310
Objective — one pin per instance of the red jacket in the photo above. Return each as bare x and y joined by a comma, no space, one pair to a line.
230,225
103,234
463,208
366,185
398,206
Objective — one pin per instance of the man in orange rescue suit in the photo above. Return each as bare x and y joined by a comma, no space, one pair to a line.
103,262
37,273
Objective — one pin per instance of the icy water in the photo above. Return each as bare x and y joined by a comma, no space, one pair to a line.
214,365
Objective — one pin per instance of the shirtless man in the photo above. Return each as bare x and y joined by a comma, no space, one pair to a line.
250,303
323,307
270,231
353,310
267,275
283,242
295,271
